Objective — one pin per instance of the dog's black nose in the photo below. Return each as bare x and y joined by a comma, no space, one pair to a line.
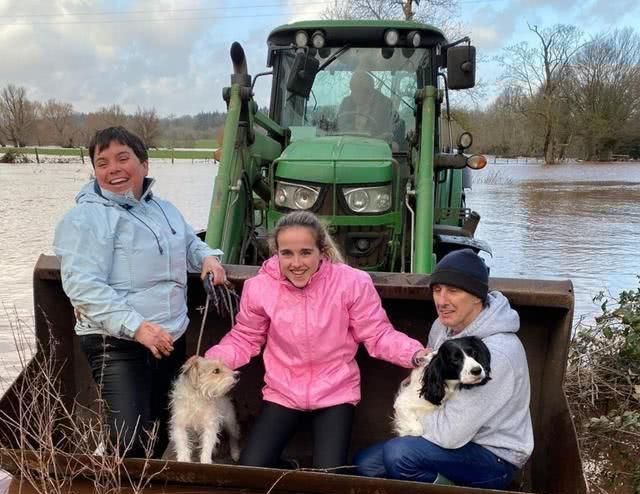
476,371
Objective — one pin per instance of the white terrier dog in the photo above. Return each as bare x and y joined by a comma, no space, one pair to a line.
199,404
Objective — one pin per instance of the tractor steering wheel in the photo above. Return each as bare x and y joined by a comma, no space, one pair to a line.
370,120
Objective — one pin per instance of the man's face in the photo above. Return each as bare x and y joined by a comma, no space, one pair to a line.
456,308
119,170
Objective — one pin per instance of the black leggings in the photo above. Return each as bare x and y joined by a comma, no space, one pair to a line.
276,424
135,387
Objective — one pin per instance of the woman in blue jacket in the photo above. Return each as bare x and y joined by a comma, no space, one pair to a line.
124,256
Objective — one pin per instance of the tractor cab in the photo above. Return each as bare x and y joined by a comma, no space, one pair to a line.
355,79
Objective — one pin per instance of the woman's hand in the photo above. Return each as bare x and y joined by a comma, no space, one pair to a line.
211,264
156,339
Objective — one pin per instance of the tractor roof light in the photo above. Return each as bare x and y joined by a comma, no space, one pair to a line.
317,39
302,38
414,39
476,162
391,37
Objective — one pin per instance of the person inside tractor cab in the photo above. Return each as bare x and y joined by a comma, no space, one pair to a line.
484,435
366,110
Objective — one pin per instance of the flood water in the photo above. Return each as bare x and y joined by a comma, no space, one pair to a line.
577,221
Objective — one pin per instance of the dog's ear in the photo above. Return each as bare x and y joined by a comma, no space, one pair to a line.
484,359
191,370
433,384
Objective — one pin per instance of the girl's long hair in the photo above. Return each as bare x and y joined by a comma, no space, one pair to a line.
306,219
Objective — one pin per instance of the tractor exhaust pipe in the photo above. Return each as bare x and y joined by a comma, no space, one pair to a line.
240,72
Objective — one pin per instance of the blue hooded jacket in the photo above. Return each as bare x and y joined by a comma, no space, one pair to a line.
125,260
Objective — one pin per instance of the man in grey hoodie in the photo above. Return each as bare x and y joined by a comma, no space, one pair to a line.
483,435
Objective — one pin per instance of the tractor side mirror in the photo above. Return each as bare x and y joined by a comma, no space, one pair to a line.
303,73
461,67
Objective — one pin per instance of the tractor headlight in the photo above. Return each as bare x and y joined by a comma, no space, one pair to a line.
368,199
296,196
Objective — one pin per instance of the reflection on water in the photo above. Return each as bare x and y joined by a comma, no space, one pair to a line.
571,221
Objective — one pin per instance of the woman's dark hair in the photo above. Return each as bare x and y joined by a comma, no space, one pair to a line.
305,219
103,138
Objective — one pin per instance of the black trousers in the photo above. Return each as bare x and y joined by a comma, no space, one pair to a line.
135,388
274,427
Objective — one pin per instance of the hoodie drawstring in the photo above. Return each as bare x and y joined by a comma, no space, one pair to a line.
163,214
127,208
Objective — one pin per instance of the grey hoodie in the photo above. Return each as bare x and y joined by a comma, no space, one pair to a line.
496,415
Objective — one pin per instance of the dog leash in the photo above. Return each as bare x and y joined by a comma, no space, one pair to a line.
207,281
225,301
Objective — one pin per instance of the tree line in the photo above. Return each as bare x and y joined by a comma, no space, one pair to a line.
564,96
24,122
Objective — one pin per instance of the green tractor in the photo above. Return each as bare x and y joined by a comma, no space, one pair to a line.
355,135
373,169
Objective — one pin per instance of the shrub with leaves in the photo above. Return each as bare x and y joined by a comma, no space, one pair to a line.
603,387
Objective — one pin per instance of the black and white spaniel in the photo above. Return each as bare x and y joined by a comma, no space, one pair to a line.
458,364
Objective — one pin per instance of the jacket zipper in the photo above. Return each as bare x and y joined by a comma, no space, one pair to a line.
309,351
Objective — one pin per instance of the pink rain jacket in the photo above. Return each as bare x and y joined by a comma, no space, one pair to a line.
312,334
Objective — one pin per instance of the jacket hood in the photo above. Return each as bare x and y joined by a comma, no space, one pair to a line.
496,317
92,193
271,267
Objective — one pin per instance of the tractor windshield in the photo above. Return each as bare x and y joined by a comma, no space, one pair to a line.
363,91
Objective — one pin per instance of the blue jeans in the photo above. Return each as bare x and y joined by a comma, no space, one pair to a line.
415,458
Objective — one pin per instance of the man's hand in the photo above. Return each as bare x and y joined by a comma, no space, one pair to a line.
211,264
156,339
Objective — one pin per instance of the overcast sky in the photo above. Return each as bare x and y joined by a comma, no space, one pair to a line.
174,55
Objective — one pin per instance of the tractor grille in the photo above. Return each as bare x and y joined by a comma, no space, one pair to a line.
365,247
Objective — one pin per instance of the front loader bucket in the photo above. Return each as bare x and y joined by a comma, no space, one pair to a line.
545,308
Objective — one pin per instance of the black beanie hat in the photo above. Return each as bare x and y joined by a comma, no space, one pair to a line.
463,269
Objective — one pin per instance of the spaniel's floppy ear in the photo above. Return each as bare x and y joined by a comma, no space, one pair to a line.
483,358
433,383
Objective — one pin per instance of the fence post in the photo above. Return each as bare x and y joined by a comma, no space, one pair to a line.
173,153
37,156
82,154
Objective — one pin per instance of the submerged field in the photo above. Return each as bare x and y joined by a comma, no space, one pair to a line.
162,153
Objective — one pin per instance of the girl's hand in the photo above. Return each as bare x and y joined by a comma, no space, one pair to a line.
211,264
422,357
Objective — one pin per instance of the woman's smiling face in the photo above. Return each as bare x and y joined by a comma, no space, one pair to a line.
119,170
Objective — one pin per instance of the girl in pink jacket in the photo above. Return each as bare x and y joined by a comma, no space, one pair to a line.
310,311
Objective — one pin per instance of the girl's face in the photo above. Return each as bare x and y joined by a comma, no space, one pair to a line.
298,254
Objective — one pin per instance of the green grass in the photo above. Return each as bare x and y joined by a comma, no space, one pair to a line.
191,143
153,153
205,143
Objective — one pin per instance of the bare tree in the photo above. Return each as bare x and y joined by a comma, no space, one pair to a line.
146,124
17,115
439,13
605,90
540,72
105,117
58,116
